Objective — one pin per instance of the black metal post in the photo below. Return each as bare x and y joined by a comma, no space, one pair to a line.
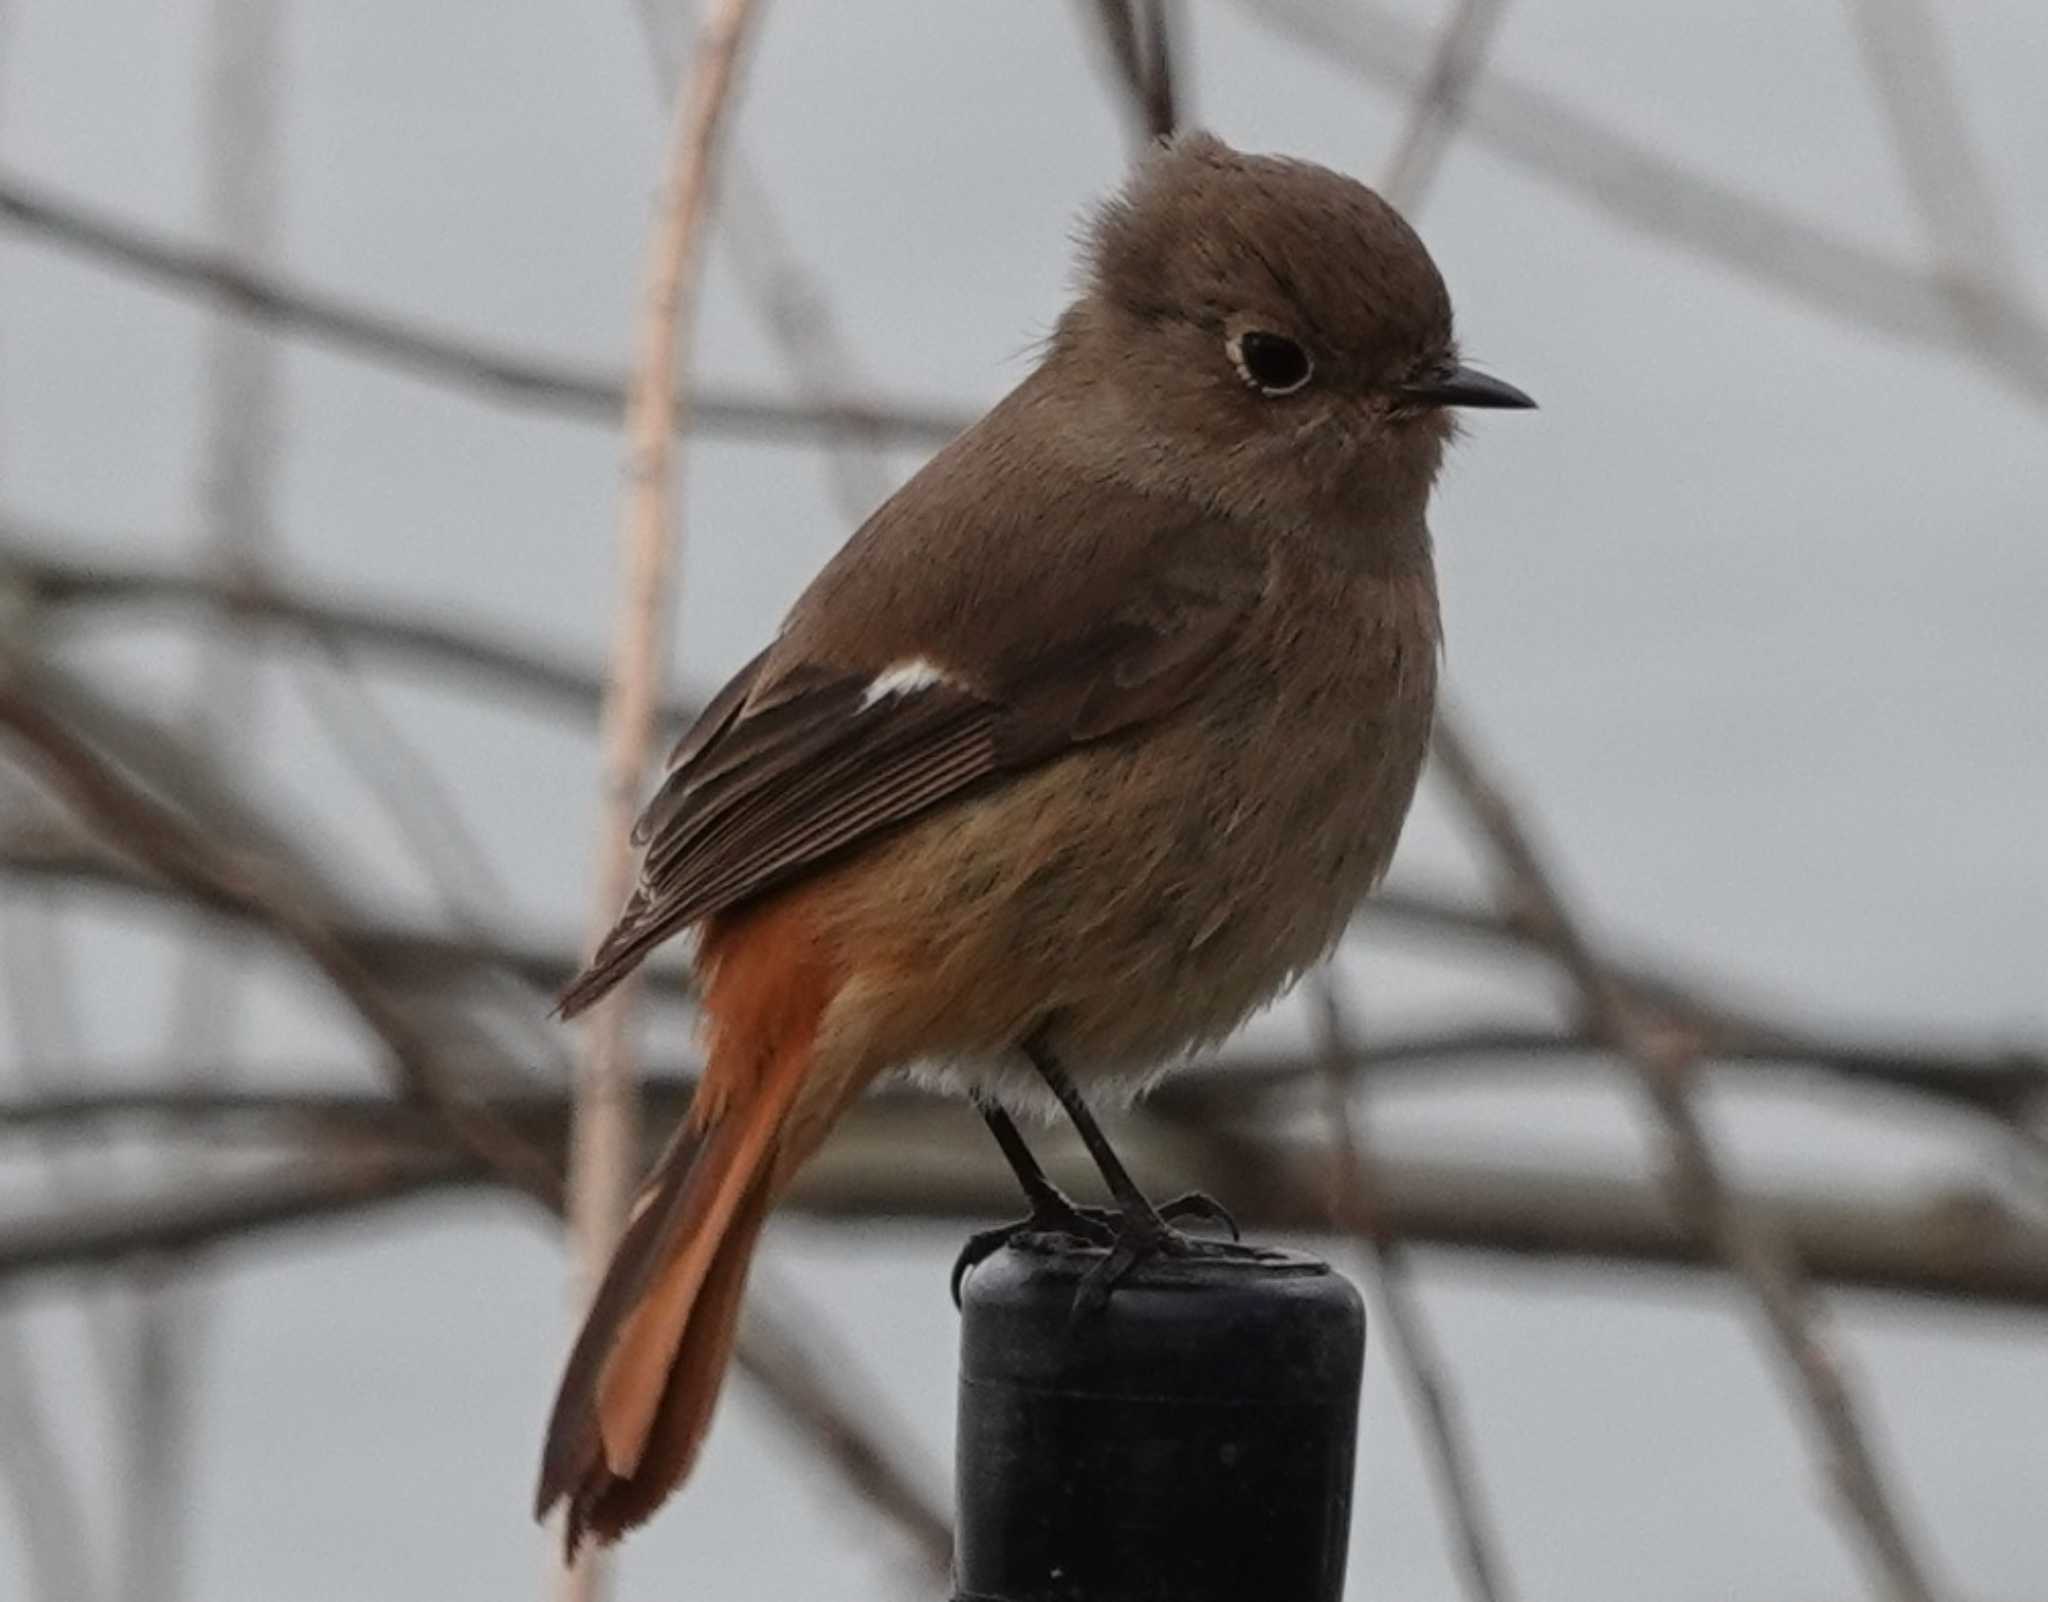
1190,1441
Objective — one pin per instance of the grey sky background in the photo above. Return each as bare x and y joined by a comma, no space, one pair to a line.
1755,609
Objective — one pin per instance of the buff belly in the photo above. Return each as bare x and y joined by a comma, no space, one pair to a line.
1134,902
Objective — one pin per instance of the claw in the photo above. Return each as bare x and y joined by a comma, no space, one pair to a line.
1130,1241
1095,1225
1200,1207
1139,1238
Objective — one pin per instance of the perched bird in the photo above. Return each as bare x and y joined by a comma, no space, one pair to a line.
1084,747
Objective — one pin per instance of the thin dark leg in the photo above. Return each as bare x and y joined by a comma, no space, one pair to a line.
1141,1230
1052,1213
1039,1191
1131,1200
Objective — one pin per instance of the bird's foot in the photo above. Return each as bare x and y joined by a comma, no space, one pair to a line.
1140,1236
1130,1241
1053,1215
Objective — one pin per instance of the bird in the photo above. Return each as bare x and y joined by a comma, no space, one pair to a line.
1083,748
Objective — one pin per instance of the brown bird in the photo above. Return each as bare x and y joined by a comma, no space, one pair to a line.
1083,748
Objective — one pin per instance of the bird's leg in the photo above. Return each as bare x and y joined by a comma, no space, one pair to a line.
1141,1230
1052,1212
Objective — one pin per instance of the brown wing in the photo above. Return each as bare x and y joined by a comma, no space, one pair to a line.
786,771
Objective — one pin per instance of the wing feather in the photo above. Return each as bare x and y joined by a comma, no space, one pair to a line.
791,767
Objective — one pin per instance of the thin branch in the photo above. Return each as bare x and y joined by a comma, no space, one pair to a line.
202,1217
906,1158
211,1112
780,1335
1137,36
1909,68
276,892
56,1542
1665,199
55,1537
408,346
1663,1056
1440,101
40,574
602,1151
38,980
1424,1374
188,857
402,957
429,820
2009,1084
239,459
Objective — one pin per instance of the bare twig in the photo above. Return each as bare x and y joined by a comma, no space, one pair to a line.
56,1541
790,302
1424,1374
567,389
809,1398
1663,1057
910,1157
1440,100
490,1149
55,1536
35,964
428,818
2009,1084
1909,68
787,297
143,827
603,1144
1665,199
52,574
1138,36
241,435
202,1217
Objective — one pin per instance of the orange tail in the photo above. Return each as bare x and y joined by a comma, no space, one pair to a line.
636,1398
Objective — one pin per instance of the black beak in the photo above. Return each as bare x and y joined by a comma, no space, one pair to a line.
1462,386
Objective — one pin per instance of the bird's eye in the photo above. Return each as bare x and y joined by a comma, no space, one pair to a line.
1271,363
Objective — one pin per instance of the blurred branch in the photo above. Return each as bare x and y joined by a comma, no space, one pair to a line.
44,577
812,1372
55,1540
1138,38
565,388
1665,199
1755,1251
202,1216
144,828
909,1157
786,296
241,440
1909,68
2007,1084
493,1151
402,956
1438,107
600,1166
603,1134
1424,1375
429,820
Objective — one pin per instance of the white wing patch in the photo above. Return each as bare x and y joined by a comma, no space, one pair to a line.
904,678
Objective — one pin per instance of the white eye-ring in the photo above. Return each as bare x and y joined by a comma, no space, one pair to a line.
1272,364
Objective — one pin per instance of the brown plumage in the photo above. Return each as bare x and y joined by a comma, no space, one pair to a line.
1096,732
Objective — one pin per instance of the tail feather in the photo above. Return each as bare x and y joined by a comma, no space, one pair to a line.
638,1390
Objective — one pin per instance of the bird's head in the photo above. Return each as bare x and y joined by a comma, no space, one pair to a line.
1273,332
